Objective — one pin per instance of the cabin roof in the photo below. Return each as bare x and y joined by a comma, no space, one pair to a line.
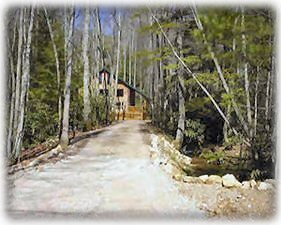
104,70
120,81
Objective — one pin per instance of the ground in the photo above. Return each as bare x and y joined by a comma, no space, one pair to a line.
110,173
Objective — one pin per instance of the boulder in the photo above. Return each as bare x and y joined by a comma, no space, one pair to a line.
192,180
214,179
40,168
263,186
229,180
183,160
253,183
178,177
246,185
172,169
203,178
188,179
153,155
271,181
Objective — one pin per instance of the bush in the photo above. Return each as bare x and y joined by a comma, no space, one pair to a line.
195,132
41,122
213,157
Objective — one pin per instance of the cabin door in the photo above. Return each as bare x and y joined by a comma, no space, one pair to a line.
132,97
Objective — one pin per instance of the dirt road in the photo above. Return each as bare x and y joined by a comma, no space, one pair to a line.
111,175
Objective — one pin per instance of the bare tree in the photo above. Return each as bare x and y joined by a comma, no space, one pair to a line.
24,83
19,68
11,45
57,67
135,65
118,52
246,77
64,139
85,44
100,37
125,63
256,103
267,96
181,92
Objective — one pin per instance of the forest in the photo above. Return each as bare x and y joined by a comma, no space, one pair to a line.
208,74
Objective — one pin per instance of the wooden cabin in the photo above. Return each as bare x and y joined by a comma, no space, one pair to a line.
125,98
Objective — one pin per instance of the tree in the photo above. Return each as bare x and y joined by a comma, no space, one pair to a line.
24,83
64,139
57,67
87,106
118,52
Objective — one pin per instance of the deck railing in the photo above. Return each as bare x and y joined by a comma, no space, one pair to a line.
132,113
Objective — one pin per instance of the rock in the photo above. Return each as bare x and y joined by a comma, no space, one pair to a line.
171,169
192,180
183,160
53,152
253,183
246,185
263,186
40,168
178,177
188,179
203,178
229,180
214,179
271,181
153,155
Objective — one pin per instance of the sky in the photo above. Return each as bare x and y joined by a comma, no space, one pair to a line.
106,20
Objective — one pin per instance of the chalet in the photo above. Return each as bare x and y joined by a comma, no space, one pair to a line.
125,99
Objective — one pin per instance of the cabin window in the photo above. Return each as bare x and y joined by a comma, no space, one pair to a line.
104,77
120,92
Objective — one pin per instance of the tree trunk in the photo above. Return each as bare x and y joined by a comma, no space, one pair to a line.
246,78
12,99
118,53
256,103
225,127
135,65
100,39
24,86
221,76
125,63
57,67
181,92
267,96
85,45
195,78
181,120
64,139
131,47
97,57
18,69
272,81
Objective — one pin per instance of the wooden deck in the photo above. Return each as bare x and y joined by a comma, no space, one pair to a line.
132,113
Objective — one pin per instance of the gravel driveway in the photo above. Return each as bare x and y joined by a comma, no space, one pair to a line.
112,175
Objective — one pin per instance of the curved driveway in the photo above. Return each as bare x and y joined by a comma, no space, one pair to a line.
111,175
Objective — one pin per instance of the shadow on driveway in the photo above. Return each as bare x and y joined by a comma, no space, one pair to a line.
87,135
